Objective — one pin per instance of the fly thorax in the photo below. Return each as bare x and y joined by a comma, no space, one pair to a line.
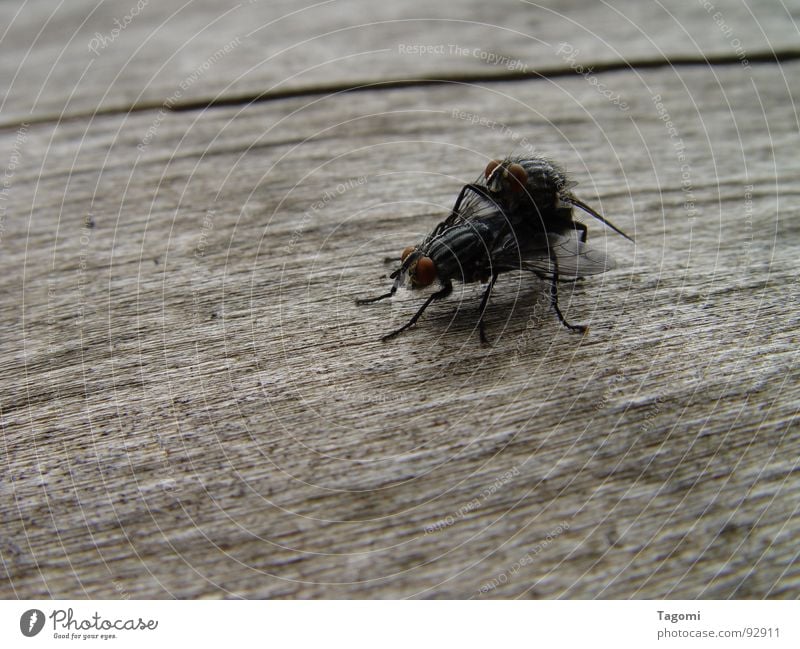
460,250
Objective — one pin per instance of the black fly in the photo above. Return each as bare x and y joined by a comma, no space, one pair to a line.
533,191
516,216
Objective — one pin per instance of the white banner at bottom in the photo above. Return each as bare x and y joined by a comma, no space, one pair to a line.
400,624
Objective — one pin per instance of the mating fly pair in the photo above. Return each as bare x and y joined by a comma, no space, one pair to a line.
516,216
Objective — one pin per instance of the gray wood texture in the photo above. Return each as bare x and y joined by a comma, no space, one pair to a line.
62,59
192,405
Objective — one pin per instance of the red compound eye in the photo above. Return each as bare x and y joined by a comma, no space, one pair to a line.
406,252
494,164
425,272
520,176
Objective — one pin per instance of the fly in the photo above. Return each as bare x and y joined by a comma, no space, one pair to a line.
533,191
516,216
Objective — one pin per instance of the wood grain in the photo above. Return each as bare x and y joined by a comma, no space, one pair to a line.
82,57
192,405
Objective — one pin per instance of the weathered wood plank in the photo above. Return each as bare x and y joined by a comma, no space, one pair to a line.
192,406
79,57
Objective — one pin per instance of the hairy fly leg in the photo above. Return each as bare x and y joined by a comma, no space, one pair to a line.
371,300
482,308
442,293
554,296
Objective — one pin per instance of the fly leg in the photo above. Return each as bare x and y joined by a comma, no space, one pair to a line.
478,189
482,308
442,293
584,231
369,300
554,296
561,219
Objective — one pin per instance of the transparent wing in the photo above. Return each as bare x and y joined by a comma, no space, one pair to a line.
550,253
475,205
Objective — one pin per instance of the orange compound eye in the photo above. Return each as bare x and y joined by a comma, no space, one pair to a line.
406,252
425,272
494,164
520,175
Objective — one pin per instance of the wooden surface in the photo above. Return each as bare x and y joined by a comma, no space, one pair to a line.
75,59
192,405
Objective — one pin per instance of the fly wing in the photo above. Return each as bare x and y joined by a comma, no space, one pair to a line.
473,207
550,253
